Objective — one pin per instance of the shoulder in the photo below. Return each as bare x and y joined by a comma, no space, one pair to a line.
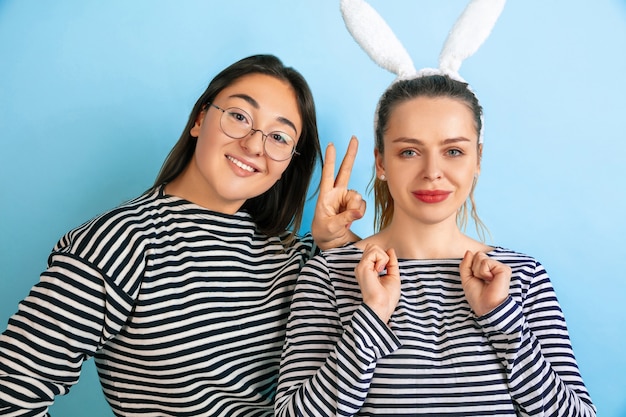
136,215
334,262
527,272
303,243
349,253
512,258
329,272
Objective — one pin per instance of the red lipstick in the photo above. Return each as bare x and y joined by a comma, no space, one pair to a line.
431,196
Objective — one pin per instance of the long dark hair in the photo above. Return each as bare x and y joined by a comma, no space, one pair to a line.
426,86
281,207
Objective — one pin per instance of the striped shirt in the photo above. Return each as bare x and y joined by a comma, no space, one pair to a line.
436,357
184,310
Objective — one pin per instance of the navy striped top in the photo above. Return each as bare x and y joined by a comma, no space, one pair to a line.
435,357
184,310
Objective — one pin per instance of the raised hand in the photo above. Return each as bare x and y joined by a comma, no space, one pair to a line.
337,206
380,292
485,282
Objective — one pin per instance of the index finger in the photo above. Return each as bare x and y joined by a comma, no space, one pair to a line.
343,175
481,266
327,179
392,263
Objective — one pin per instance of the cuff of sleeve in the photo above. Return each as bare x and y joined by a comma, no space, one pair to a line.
372,335
507,318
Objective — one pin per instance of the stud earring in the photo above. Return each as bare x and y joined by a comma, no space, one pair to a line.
383,177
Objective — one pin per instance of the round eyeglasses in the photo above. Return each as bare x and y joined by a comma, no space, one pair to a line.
237,124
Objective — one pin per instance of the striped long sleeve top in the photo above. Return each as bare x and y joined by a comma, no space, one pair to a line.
184,310
435,357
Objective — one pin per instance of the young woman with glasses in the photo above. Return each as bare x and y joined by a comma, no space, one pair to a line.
182,294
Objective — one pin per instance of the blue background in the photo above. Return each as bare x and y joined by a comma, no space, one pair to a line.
94,94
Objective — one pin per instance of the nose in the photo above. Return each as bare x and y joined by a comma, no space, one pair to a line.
432,168
253,145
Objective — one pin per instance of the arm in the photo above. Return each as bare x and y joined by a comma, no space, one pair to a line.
66,317
337,207
533,343
327,362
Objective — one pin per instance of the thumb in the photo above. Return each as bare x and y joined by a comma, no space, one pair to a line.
353,199
354,214
343,220
465,268
355,206
392,264
355,209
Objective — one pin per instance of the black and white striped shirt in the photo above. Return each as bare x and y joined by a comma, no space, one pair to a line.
436,357
184,310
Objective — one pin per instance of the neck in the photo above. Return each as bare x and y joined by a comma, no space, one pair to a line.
189,186
441,240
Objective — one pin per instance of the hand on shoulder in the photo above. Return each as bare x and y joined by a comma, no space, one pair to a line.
485,281
380,292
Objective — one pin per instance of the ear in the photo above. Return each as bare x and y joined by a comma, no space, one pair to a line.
195,130
379,164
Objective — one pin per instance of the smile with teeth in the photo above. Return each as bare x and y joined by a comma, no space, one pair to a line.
240,164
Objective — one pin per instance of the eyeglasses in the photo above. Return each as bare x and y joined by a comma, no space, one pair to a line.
237,124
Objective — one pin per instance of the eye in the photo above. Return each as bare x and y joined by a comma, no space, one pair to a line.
408,153
454,152
238,116
280,138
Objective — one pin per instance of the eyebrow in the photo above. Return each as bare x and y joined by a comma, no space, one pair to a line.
255,104
419,142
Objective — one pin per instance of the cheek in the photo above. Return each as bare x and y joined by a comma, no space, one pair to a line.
203,147
465,178
277,169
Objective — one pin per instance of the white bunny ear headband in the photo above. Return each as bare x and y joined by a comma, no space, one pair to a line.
376,38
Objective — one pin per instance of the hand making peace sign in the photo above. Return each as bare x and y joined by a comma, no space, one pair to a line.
337,206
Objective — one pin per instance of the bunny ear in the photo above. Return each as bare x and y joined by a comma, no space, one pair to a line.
469,32
376,38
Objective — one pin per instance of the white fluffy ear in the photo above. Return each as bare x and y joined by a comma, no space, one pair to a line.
376,38
469,32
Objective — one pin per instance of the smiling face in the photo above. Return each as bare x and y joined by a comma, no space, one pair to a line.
430,159
225,172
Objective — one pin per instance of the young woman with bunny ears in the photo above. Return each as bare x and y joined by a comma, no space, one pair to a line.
421,319
182,294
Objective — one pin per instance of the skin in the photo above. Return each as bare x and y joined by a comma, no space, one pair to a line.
330,219
430,160
225,172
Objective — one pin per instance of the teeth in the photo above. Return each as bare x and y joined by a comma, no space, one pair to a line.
240,164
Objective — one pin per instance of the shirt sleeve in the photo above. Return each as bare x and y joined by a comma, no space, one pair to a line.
308,242
530,336
68,315
327,365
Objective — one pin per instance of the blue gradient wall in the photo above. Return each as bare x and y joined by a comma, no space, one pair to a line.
94,94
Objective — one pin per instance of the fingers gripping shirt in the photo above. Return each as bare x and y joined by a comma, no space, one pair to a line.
435,357
184,310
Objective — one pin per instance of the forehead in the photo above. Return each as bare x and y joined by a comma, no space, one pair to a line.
425,117
264,96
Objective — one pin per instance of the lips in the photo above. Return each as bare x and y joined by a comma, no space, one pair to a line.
431,196
241,165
